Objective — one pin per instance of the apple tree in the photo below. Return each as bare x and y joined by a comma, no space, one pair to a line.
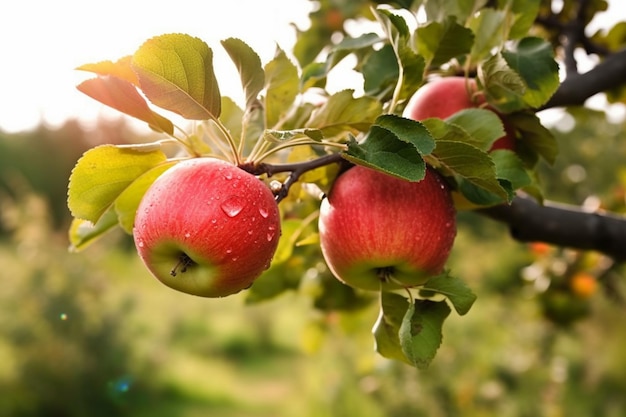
352,193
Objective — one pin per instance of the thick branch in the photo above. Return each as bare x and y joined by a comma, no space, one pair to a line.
576,89
563,225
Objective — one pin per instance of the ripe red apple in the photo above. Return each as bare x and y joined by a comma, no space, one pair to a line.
381,232
206,227
445,96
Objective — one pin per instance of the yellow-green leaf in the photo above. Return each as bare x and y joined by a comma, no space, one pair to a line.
281,84
128,201
175,72
83,232
102,174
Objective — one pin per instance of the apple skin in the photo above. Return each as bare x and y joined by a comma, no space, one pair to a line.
206,227
445,96
379,232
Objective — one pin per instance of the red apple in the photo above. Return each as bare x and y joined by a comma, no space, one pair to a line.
206,227
380,232
445,96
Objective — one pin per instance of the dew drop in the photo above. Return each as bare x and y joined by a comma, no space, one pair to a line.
187,235
250,232
270,236
229,251
232,206
140,243
213,221
234,258
228,176
263,212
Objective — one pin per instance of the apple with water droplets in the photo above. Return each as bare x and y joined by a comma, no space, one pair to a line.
206,227
379,232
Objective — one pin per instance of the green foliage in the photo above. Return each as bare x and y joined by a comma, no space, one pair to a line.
289,122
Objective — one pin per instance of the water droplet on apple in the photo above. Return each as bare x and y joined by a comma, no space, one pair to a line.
263,212
213,221
270,235
234,258
229,251
140,243
232,206
228,176
250,232
187,235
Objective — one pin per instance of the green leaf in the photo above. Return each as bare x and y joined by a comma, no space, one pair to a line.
510,167
455,290
411,64
380,72
175,72
231,117
386,330
281,83
533,59
127,202
488,27
421,331
343,113
249,66
440,42
383,151
287,135
315,73
290,232
123,96
504,88
535,137
471,164
83,232
524,14
102,174
409,131
439,10
483,126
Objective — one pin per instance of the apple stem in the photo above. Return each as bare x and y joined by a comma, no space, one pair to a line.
184,262
385,274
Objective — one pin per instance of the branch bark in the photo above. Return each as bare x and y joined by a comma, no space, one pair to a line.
563,225
576,89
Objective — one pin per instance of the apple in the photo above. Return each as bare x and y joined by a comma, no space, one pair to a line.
445,96
206,227
379,232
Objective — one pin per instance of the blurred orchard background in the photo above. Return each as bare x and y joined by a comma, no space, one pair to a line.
93,334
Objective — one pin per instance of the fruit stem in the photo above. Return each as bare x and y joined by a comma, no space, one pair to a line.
184,262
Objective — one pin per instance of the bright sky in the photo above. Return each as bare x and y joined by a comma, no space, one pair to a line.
42,41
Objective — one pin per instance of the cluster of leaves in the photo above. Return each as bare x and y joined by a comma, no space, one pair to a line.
288,116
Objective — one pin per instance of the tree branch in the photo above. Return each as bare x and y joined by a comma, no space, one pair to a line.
296,170
563,225
576,89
